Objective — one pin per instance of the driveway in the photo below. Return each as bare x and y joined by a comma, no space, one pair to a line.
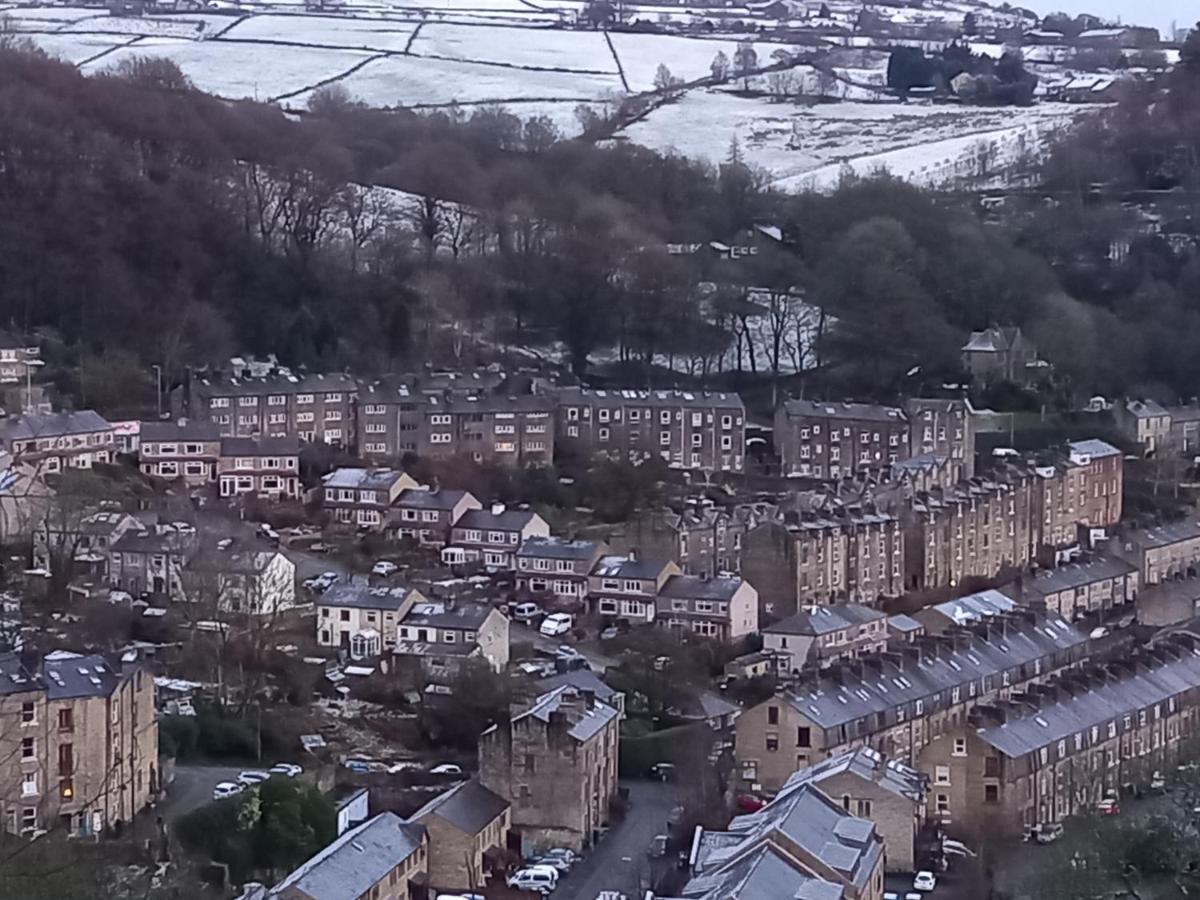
619,861
193,787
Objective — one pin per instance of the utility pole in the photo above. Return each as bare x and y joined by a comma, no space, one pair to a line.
158,389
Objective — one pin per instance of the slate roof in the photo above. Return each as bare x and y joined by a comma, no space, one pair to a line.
585,723
362,479
151,540
418,498
495,403
355,596
262,446
975,607
276,384
557,548
469,807
1094,447
851,412
992,340
582,679
624,567
350,866
1076,574
889,682
463,616
486,520
1100,704
904,623
695,587
34,425
1145,409
867,763
762,874
183,430
62,675
1165,535
825,619
669,399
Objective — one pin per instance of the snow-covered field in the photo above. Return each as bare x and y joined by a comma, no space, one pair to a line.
431,53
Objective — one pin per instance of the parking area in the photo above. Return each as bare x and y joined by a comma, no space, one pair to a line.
193,787
619,862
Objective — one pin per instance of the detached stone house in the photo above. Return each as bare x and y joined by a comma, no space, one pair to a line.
265,467
468,836
364,620
724,608
183,449
362,497
556,763
492,536
1145,422
427,516
553,565
998,354
249,580
824,634
441,635
151,560
627,587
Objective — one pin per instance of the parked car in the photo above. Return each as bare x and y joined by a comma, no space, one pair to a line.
924,881
446,769
253,777
1047,833
569,855
558,863
555,624
226,789
1109,806
290,770
663,771
526,612
610,633
384,568
750,803
531,880
319,584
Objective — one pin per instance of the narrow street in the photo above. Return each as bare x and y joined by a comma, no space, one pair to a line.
526,635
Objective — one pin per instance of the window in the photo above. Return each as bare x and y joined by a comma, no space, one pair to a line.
28,714
941,775
603,433
803,736
28,748
772,743
29,786
66,760
960,747
66,719
772,715
863,809
991,793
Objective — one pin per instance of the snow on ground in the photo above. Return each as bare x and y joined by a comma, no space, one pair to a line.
688,58
75,48
190,27
411,81
238,71
578,51
42,17
367,34
807,146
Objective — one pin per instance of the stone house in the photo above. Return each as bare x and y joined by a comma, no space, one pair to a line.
1059,750
701,538
151,560
627,587
492,536
54,442
817,439
364,620
316,408
1184,435
361,498
1087,586
1146,423
384,858
1101,482
769,562
556,763
897,702
944,429
468,836
998,354
241,579
25,501
81,744
440,635
262,467
556,566
884,791
847,554
724,608
87,536
1161,552
824,634
181,449
970,609
426,515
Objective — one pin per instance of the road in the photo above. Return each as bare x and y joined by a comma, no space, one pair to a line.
619,861
525,635
193,787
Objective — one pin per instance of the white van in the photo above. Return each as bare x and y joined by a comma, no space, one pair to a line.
538,880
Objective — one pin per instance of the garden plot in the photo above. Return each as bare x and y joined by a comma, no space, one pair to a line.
75,48
541,48
411,81
804,147
189,27
687,58
367,34
239,71
42,18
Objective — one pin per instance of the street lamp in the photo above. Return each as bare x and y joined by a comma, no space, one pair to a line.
30,365
158,388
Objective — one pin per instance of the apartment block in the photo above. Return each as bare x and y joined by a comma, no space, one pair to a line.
1073,590
817,439
314,408
943,429
705,431
80,743
820,635
1057,749
896,703
724,608
181,449
556,566
847,554
259,467
556,763
701,538
1101,482
54,442
361,498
